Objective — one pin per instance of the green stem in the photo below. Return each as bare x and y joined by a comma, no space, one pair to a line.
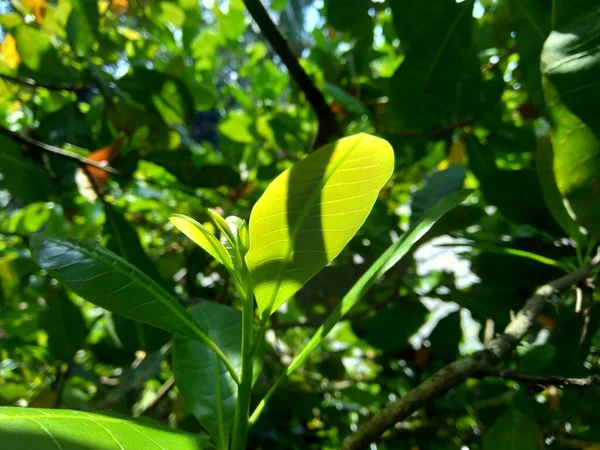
259,334
261,406
242,409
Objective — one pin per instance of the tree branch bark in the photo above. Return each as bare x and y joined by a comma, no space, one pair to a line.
37,145
474,366
545,380
49,86
327,123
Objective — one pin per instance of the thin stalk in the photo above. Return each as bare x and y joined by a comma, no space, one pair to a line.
242,408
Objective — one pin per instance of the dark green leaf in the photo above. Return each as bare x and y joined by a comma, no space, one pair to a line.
439,76
65,326
390,328
438,186
446,337
18,170
513,431
105,279
82,27
213,399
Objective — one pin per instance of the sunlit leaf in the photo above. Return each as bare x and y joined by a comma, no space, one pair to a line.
309,213
203,237
48,429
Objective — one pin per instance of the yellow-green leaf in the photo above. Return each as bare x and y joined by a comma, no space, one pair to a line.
201,236
310,212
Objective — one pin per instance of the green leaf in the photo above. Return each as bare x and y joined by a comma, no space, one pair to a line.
41,429
160,93
345,99
10,20
571,67
40,60
123,239
439,78
207,388
32,45
309,213
382,330
544,163
532,21
384,263
445,337
237,127
82,26
504,189
437,187
513,431
64,324
105,279
204,238
18,170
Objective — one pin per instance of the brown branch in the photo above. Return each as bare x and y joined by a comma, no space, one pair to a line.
545,380
327,123
49,86
458,371
37,145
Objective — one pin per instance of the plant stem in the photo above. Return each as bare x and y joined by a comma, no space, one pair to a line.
242,408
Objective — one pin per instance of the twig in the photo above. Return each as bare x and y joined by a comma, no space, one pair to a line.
166,387
433,132
327,124
49,86
32,143
545,380
458,371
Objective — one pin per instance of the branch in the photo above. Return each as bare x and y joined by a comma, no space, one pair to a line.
32,143
327,124
474,366
545,380
50,86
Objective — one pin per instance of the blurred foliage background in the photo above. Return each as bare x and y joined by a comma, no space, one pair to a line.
192,108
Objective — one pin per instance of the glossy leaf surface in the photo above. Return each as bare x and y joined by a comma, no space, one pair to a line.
105,279
309,213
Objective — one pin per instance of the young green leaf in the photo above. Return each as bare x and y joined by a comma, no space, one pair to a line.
384,263
204,238
52,429
309,213
212,399
105,279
